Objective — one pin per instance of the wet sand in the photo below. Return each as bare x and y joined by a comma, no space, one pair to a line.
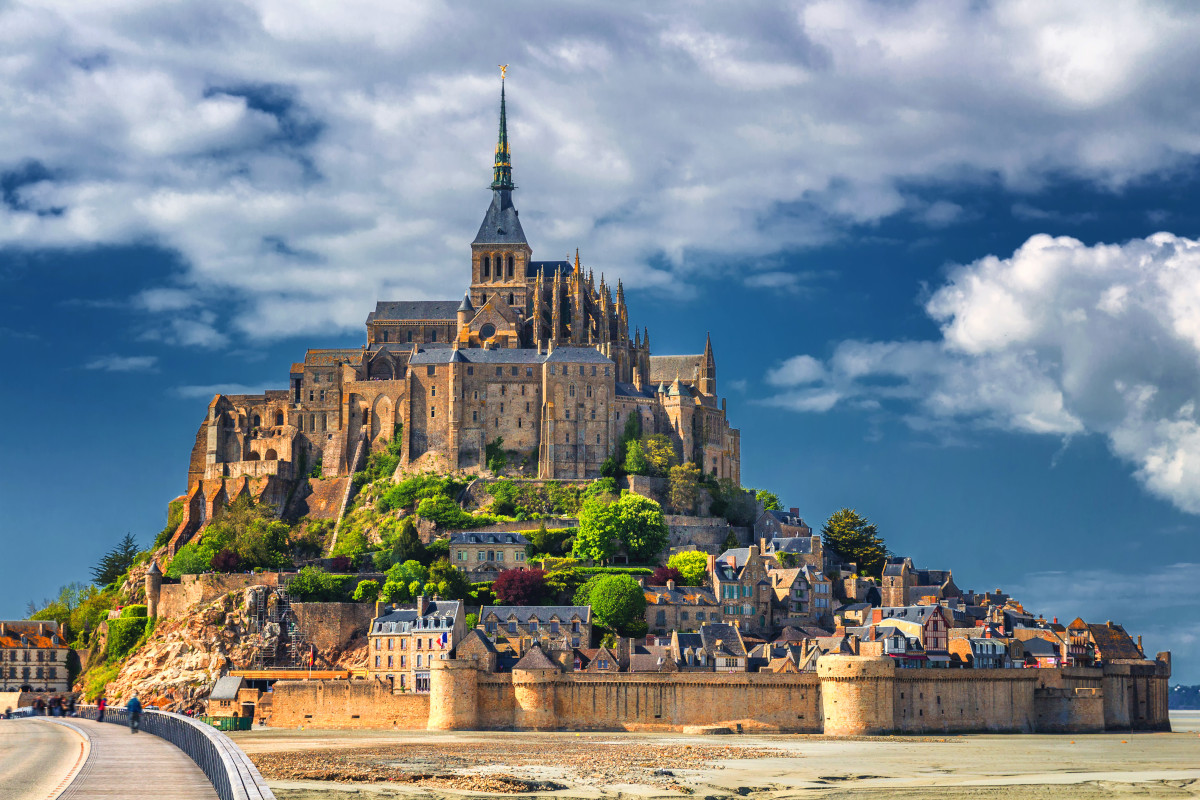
1114,765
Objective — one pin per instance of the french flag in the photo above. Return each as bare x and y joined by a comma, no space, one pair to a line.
444,639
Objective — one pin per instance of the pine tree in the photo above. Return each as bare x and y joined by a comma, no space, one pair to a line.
115,562
855,539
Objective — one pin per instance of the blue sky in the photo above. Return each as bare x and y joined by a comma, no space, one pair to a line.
947,251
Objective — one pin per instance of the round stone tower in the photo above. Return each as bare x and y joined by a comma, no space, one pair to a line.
153,589
453,694
534,693
857,695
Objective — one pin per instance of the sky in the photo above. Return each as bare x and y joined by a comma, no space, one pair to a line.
948,251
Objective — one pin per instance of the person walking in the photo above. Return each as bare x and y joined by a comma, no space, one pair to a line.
101,704
39,707
134,707
71,712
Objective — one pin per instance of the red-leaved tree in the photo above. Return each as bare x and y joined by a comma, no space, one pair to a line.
663,574
520,587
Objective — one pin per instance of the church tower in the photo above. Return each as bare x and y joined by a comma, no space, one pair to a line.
500,254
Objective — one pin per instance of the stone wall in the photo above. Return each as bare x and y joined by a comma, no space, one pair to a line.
333,625
192,590
849,695
702,533
340,705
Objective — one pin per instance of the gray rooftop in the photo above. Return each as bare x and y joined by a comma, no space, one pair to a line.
400,310
487,537
524,614
225,688
439,615
501,224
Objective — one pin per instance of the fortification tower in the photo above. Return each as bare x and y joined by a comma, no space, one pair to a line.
153,589
857,695
534,693
453,694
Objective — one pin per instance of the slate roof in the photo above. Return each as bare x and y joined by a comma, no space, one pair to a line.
1112,642
1040,648
509,355
399,310
535,659
680,596
730,640
501,224
664,369
402,620
487,537
550,267
629,390
543,613
787,518
225,688
917,614
800,545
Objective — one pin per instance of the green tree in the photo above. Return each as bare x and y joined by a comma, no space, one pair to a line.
734,503
731,542
618,603
597,539
367,591
855,539
692,565
449,581
495,456
407,546
684,487
769,500
659,453
635,459
115,562
640,526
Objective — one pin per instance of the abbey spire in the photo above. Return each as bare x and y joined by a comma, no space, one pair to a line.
502,170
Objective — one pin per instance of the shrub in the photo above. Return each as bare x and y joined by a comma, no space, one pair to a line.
367,591
520,587
618,603
351,542
472,621
313,584
547,541
446,513
123,635
663,574
495,456
136,610
691,565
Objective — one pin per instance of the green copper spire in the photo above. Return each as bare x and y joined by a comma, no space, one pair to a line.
502,171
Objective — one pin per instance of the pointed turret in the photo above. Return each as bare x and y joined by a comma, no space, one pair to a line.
708,369
500,224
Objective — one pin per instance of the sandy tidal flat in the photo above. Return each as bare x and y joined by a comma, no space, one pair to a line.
433,766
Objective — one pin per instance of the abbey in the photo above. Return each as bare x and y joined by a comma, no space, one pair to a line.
536,358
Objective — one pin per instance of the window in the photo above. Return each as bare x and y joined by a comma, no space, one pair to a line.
429,370
512,626
419,647
389,662
385,336
433,412
581,369
418,660
511,301
462,555
520,556
604,663
499,555
527,408
593,372
606,370
529,372
410,335
310,395
502,404
518,422
433,335
589,391
510,271
474,416
470,370
499,371
475,395
487,267
566,413
533,623
553,626
551,369
389,644
433,391
572,390
481,556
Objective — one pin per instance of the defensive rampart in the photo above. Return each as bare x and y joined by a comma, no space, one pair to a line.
848,695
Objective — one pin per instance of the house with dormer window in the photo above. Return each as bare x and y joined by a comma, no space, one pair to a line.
572,624
485,554
404,641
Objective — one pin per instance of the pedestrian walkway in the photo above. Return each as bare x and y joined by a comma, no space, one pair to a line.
121,764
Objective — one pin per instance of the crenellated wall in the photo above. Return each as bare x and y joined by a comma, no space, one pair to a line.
848,696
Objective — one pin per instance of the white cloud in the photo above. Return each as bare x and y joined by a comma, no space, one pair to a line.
122,363
1060,339
304,163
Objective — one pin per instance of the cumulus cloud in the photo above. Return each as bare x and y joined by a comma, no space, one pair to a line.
302,163
1059,339
122,363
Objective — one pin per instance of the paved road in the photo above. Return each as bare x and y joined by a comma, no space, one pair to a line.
35,756
122,765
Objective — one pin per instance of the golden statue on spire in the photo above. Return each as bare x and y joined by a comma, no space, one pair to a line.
503,70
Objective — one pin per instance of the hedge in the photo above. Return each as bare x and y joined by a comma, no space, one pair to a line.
137,610
123,635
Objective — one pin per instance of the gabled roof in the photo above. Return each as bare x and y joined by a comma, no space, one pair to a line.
225,688
403,310
402,620
680,596
1113,643
800,545
664,369
523,614
721,638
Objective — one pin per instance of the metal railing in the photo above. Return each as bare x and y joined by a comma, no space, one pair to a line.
229,770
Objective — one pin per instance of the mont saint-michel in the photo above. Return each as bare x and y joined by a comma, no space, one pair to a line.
503,512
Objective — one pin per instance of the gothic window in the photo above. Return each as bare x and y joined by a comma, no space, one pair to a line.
487,267
487,331
476,395
385,336
433,335
474,416
572,390
518,422
511,299
257,421
510,269
278,417
589,389
410,335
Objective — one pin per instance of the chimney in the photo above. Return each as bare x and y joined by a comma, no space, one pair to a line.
3,629
378,605
671,585
753,551
1139,641
762,545
421,605
795,512
42,628
1056,620
712,564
